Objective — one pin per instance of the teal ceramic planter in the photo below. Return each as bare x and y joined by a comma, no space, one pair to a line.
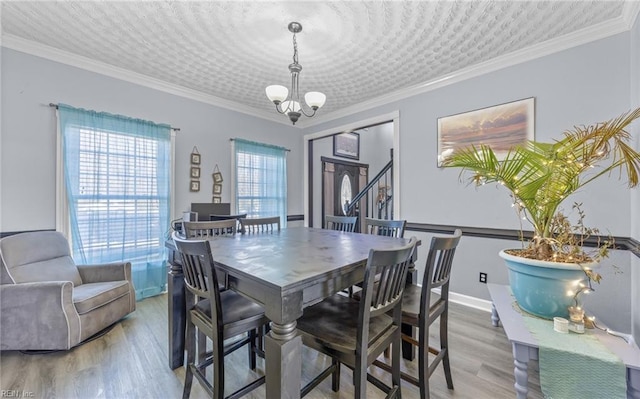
545,289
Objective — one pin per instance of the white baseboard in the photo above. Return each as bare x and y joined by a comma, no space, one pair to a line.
470,301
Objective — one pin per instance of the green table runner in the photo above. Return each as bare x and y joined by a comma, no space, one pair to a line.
576,365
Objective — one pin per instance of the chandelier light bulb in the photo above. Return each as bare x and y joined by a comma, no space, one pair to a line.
288,101
290,106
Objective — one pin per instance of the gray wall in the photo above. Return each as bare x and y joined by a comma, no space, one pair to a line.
576,86
28,153
375,143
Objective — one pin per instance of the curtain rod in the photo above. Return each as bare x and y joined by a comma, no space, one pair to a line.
270,145
175,129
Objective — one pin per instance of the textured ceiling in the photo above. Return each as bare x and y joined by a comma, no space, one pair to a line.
352,51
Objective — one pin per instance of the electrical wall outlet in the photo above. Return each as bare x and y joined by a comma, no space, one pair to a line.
483,278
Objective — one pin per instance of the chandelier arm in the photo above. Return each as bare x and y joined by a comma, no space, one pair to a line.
305,114
279,109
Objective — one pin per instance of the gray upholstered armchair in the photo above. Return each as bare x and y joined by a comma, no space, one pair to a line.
47,302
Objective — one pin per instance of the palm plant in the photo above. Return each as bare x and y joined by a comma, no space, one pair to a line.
540,176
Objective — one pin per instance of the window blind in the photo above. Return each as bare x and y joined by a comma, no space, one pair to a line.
261,180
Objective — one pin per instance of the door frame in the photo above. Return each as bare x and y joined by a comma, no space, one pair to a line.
393,117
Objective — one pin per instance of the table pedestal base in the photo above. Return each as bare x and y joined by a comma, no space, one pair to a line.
177,318
283,354
633,383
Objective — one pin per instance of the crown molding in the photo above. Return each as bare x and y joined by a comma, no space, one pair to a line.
630,12
574,39
64,57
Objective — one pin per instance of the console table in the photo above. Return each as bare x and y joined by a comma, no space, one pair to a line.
525,346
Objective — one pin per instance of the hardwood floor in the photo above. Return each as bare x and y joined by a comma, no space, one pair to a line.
130,361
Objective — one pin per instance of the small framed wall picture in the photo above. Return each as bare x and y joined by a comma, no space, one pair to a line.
217,175
195,159
195,172
195,156
195,185
217,189
217,200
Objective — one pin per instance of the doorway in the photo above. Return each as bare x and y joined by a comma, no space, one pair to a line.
319,144
341,181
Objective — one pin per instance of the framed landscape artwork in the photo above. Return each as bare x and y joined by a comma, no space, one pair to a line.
347,145
500,127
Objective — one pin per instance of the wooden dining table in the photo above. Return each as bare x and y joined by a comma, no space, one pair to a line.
285,272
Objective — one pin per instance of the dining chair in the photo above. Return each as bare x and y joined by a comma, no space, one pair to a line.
354,332
383,227
340,223
219,315
209,229
260,225
421,308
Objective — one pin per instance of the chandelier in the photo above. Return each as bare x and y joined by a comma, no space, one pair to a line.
288,102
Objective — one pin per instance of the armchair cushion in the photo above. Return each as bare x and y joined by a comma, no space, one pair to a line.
88,297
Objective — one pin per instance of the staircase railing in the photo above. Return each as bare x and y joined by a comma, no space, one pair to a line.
380,204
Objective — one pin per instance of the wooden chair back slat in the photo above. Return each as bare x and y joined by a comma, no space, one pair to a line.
214,217
391,267
440,260
209,229
388,228
260,225
199,272
341,223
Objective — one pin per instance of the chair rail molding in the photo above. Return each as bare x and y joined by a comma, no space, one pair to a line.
621,243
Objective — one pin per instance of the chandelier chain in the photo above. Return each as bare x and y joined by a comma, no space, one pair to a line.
295,49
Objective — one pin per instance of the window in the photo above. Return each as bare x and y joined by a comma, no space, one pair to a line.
117,181
261,180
